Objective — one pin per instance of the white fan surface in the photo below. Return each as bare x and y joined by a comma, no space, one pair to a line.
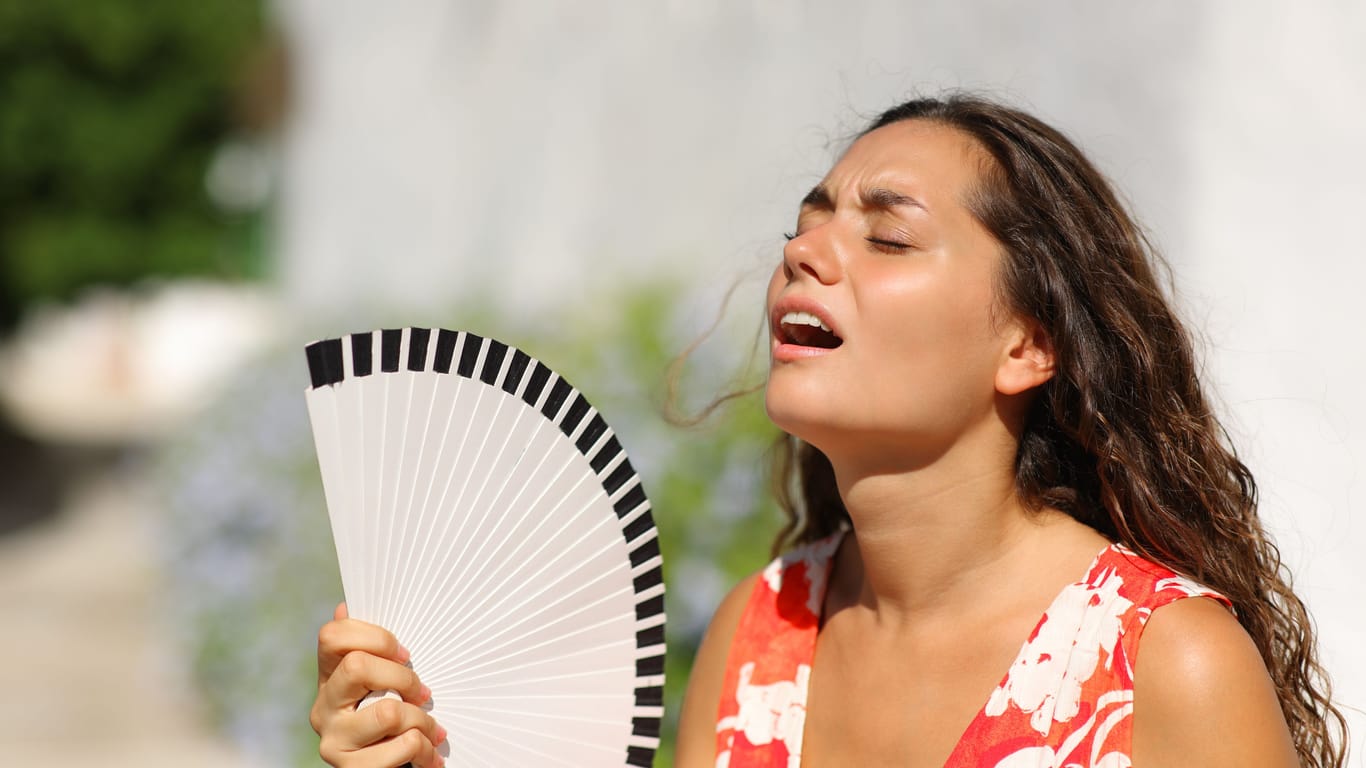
485,514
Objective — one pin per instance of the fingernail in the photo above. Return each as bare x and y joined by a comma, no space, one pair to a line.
403,654
426,694
440,736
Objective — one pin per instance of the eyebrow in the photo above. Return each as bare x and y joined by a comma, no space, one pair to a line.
886,199
878,198
818,197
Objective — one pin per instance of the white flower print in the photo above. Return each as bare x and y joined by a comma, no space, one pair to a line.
1183,585
1116,707
1179,584
1044,757
816,559
768,713
1030,757
1046,678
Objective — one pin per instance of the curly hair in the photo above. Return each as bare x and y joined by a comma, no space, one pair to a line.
1122,438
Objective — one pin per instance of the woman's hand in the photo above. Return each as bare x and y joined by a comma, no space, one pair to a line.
355,658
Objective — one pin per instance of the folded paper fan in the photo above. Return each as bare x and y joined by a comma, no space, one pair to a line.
485,514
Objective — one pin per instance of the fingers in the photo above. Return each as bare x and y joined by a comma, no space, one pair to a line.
410,747
407,748
358,673
342,636
387,733
388,717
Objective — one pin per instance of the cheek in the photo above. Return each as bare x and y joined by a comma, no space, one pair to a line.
938,334
775,283
775,286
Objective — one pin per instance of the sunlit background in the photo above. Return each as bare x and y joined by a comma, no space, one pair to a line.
189,192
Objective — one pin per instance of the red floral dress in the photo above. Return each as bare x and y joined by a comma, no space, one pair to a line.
1067,700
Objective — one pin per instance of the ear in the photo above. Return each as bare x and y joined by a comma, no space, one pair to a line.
1028,359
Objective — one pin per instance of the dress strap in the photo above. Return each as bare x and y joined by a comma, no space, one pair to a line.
763,700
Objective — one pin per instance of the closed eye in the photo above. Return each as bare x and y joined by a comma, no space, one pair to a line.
892,246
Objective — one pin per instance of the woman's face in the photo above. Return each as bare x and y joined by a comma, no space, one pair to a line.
887,257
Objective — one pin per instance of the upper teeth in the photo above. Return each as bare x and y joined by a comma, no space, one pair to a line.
804,318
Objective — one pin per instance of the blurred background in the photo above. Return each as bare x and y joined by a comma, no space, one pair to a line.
189,192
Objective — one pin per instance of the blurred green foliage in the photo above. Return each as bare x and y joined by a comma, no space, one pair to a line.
249,560
110,112
706,484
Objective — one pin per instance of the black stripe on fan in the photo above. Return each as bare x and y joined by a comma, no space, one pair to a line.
650,666
650,696
591,433
558,394
647,608
469,354
389,343
648,637
325,362
445,350
637,527
578,407
645,726
644,552
633,498
362,353
417,348
613,482
539,376
650,578
609,451
493,361
641,757
515,370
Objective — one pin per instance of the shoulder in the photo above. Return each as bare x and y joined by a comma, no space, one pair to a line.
783,601
724,623
1198,674
696,744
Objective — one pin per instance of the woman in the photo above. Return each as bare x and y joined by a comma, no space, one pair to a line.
1002,475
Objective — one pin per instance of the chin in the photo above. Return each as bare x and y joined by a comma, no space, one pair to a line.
804,415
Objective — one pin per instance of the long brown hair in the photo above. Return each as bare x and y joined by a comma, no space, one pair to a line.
1122,438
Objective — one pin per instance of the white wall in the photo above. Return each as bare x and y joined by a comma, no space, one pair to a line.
543,151
1275,272
546,146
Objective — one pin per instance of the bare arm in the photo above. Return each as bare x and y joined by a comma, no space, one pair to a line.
696,746
1202,695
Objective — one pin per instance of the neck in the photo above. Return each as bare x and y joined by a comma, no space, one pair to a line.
939,534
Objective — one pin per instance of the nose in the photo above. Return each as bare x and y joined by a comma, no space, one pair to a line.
812,253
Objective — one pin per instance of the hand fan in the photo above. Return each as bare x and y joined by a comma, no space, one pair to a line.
485,514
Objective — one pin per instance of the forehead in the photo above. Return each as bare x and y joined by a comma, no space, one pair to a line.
936,163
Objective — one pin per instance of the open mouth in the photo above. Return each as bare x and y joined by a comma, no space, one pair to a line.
806,330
